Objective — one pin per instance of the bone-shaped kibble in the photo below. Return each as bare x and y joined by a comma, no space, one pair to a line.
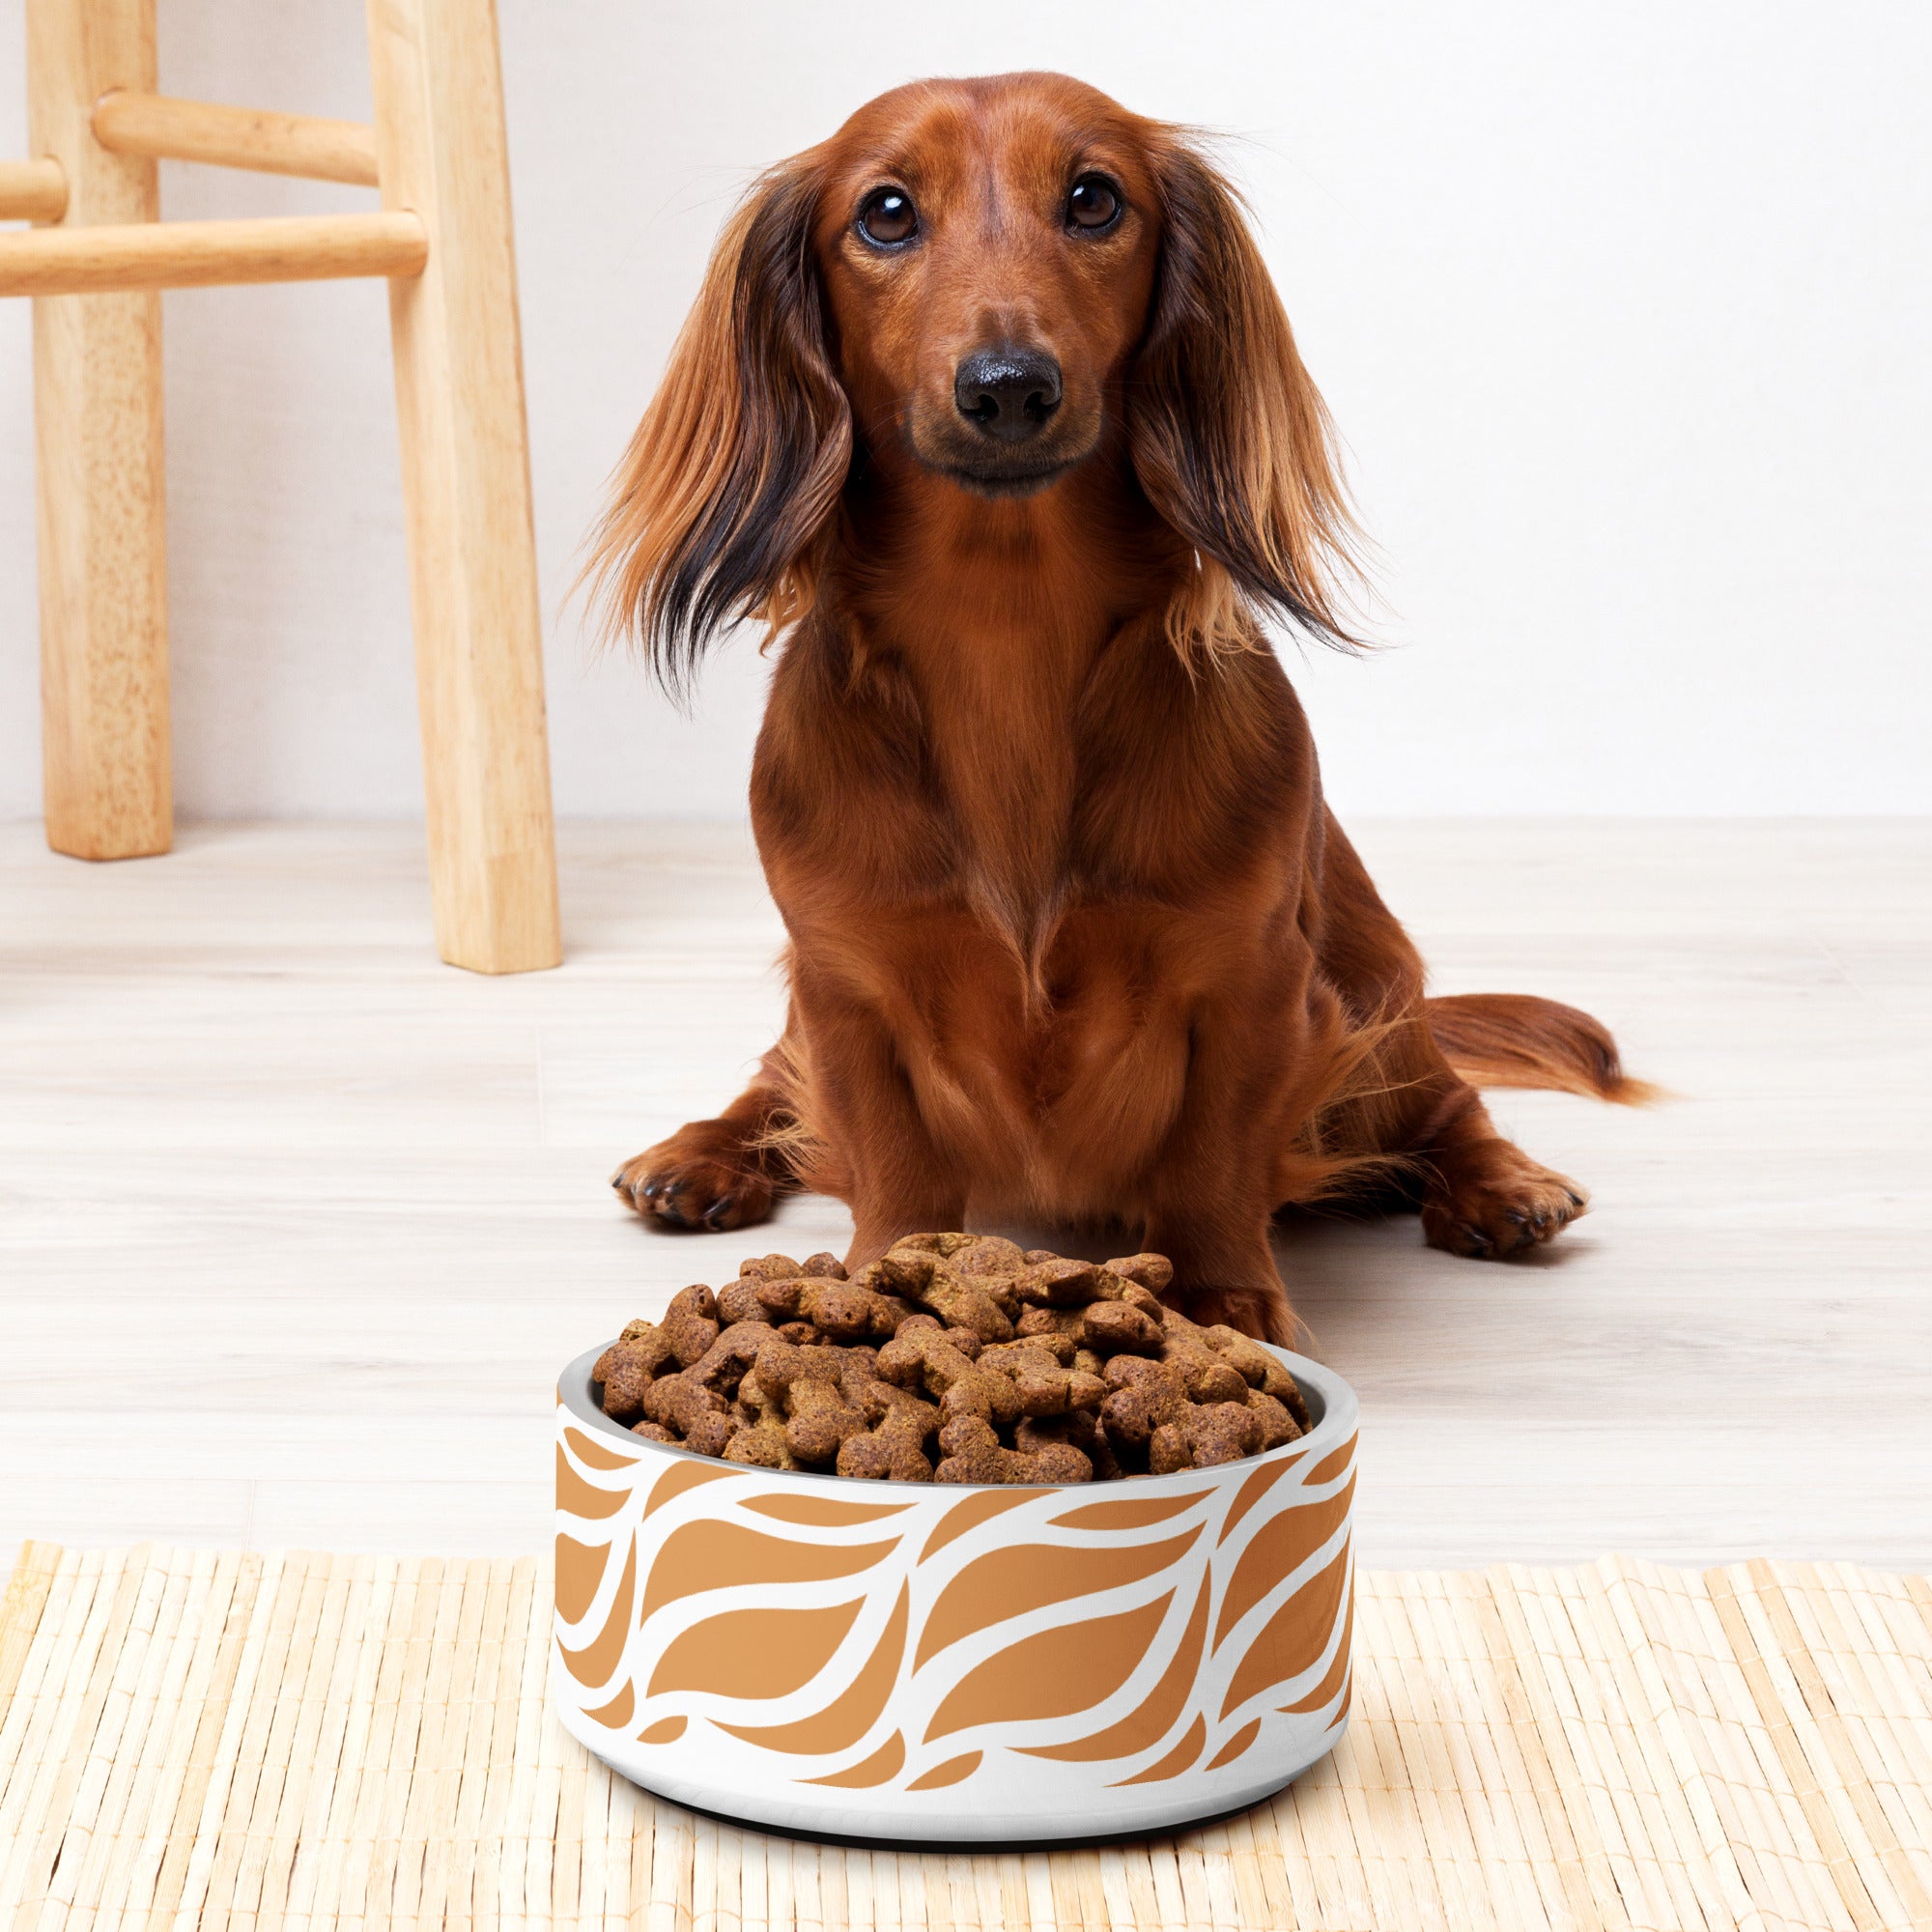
1061,1328
1059,1344
818,1418
702,1416
769,1267
989,1256
1078,1429
893,1449
1044,1385
859,1376
1066,1283
1118,1328
915,1275
780,1364
1213,1380
769,1286
973,1454
1152,1272
921,1358
723,1365
690,1323
942,1246
756,1400
1042,1322
964,1339
1207,1376
1146,1394
628,1367
844,1311
759,1442
739,1300
1152,1396
1259,1369
1205,1436
875,1399
1277,1423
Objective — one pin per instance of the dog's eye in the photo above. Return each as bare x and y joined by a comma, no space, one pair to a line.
889,217
1094,202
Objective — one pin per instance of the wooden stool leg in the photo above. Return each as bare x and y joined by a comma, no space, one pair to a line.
465,479
97,434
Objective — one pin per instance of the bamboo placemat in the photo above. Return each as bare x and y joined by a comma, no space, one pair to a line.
193,1738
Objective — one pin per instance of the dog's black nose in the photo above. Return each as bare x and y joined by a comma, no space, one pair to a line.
1010,394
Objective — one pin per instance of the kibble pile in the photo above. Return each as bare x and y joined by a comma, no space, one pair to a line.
1001,1366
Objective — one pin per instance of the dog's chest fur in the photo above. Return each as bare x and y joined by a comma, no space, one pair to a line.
1027,881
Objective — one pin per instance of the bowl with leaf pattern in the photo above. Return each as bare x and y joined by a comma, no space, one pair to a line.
932,1662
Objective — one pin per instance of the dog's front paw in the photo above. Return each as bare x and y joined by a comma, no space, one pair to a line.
1491,1201
693,1181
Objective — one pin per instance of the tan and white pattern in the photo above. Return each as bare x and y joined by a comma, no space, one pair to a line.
933,1662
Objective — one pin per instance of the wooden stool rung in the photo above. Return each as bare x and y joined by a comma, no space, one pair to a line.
31,190
200,254
127,122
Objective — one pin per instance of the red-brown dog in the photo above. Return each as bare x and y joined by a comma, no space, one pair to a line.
989,407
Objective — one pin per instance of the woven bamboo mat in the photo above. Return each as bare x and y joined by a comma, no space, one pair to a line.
193,1738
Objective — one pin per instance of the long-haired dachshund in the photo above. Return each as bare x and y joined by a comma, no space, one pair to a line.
989,410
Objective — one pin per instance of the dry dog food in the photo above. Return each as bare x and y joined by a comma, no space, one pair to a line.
954,1358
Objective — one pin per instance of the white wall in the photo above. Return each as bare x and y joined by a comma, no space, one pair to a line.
1622,311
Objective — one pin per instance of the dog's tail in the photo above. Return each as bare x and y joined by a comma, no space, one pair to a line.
1515,1039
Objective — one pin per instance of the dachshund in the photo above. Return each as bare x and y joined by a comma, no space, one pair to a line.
989,412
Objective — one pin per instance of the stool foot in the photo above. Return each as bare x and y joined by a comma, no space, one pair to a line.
467,486
98,435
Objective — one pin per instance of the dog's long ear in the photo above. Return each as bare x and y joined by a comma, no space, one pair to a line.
1230,436
718,505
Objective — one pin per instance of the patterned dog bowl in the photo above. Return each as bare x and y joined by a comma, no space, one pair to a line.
928,1663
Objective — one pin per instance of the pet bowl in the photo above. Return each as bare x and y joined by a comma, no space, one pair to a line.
929,1662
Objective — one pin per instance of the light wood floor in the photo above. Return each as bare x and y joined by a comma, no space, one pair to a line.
297,1225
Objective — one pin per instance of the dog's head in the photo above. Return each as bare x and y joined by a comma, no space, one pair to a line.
988,252
977,286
